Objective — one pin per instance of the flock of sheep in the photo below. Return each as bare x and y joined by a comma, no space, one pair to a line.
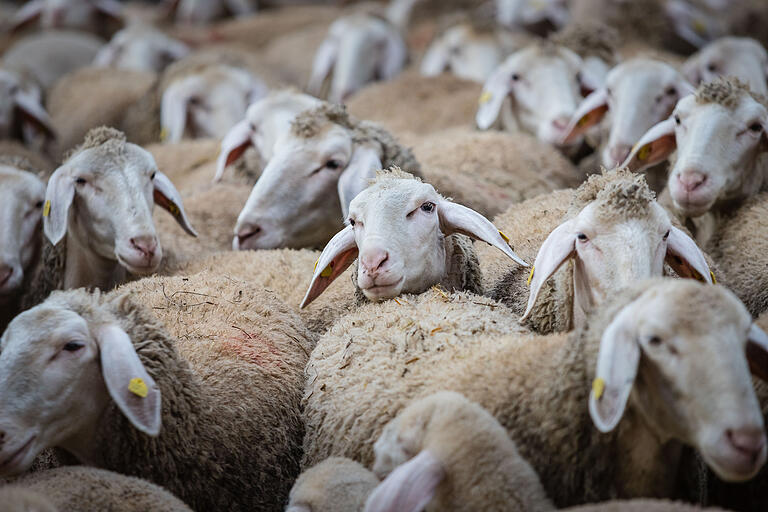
470,255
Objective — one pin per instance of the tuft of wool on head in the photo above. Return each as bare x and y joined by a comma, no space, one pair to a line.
111,139
313,122
621,194
727,91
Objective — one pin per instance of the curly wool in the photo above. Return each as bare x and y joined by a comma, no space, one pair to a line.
336,484
726,91
112,139
21,163
620,194
588,39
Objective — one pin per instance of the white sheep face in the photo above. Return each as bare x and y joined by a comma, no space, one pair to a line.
744,58
397,232
639,93
204,11
140,48
75,14
21,209
464,53
716,146
682,343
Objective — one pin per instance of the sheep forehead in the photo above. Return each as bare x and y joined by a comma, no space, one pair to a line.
20,181
114,157
38,327
316,121
391,195
540,55
734,47
627,71
729,92
217,76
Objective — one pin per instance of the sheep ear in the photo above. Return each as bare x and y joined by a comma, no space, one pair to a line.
617,363
456,218
393,55
58,198
691,23
685,257
496,88
174,51
409,488
174,108
355,178
32,112
167,197
109,8
325,58
128,383
340,252
655,146
233,145
588,114
27,15
556,249
435,60
757,352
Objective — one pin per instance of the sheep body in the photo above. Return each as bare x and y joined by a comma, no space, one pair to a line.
336,484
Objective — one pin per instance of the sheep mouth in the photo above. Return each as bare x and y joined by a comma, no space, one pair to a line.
12,463
735,465
384,291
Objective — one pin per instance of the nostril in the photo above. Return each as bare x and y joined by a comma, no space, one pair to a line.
561,123
691,180
746,440
249,232
145,245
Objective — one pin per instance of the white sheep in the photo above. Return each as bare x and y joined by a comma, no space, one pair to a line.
205,11
142,48
97,216
715,183
91,15
360,48
90,490
22,115
600,413
587,244
742,57
316,169
529,13
543,82
402,229
191,383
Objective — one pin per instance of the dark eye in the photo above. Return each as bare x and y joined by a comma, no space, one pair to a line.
582,237
153,175
654,340
515,77
73,346
712,67
677,119
671,91
608,93
428,207
666,235
39,204
351,222
756,127
333,164
80,181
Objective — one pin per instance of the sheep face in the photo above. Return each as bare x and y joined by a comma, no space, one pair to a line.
359,49
544,88
299,200
22,115
140,48
716,145
21,213
60,369
677,354
204,11
103,197
464,53
741,57
619,238
76,14
208,104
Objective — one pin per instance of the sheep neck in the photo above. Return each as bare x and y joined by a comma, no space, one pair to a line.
85,268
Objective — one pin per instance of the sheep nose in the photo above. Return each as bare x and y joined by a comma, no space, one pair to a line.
691,180
749,440
619,153
145,244
561,122
374,260
249,232
6,271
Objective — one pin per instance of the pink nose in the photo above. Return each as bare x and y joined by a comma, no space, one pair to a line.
749,440
561,123
691,180
145,244
374,261
619,153
6,271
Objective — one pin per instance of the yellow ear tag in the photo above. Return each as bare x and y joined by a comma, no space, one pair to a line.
583,121
485,97
173,209
530,276
505,237
315,267
47,208
138,387
163,134
699,26
712,275
598,386
644,152
327,271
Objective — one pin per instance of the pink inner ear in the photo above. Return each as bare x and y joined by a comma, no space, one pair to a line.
236,153
338,265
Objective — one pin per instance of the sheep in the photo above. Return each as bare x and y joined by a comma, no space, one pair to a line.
716,179
638,93
402,230
98,16
140,47
22,193
594,241
489,171
336,484
192,383
22,115
265,122
203,12
372,362
315,171
531,14
544,83
411,103
15,149
741,57
85,245
360,48
18,499
92,490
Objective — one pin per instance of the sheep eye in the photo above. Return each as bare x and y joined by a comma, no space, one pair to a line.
654,340
756,127
582,237
39,204
351,222
671,91
154,173
73,346
712,68
80,181
677,119
515,77
428,207
333,164
666,235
